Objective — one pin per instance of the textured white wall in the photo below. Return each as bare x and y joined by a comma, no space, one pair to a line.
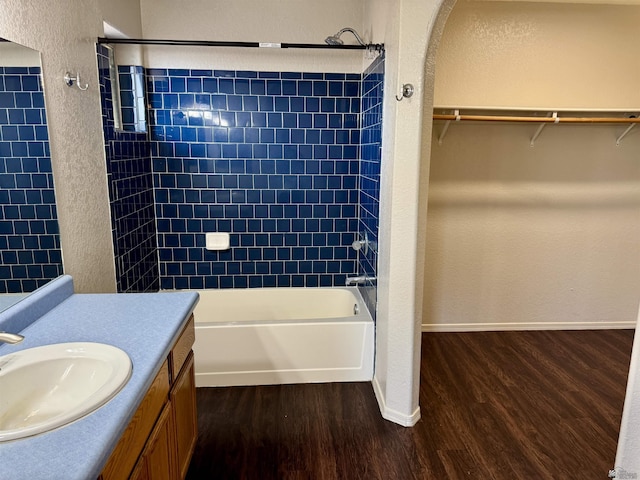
543,237
282,21
124,15
542,55
405,27
522,237
64,31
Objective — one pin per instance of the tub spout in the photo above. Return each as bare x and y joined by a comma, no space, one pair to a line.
10,337
359,280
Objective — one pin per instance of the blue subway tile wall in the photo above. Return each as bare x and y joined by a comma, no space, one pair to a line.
130,182
370,158
29,240
270,157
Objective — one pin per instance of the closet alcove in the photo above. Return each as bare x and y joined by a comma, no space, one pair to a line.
533,219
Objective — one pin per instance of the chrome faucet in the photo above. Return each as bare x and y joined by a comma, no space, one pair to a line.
10,337
359,280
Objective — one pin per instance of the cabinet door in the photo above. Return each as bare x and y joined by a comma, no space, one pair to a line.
140,471
183,399
134,439
159,455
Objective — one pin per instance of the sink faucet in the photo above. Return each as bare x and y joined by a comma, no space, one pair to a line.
10,337
359,280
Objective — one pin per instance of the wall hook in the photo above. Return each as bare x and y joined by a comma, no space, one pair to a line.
69,80
407,92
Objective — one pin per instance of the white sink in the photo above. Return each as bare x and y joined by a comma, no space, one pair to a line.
47,387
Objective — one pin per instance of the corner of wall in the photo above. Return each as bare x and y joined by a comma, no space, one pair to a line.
391,414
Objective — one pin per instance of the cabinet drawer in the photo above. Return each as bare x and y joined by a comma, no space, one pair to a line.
181,349
132,442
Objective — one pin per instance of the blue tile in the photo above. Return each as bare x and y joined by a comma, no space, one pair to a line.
297,104
320,88
312,104
226,85
210,85
194,85
177,84
293,146
305,88
266,104
242,86
281,104
250,103
246,74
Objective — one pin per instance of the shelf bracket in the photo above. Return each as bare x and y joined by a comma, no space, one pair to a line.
446,127
541,127
624,134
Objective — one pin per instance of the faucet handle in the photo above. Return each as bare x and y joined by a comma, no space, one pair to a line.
10,337
363,244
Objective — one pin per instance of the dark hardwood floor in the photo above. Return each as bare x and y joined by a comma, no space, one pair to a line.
496,405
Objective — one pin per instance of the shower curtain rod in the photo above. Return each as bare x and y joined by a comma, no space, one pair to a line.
554,119
214,43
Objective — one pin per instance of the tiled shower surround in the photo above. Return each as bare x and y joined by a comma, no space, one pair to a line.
29,241
370,158
131,196
273,158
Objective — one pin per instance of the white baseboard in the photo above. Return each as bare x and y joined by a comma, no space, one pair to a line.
488,327
393,415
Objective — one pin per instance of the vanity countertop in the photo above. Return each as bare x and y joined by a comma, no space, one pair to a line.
143,325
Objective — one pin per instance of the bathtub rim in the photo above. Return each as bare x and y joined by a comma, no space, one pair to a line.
362,316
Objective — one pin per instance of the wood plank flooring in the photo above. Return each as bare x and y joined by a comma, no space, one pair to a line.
495,405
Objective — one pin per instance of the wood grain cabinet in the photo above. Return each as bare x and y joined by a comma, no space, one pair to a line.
157,459
160,439
183,401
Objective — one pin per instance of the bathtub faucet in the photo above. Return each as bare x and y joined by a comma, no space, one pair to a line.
359,280
10,337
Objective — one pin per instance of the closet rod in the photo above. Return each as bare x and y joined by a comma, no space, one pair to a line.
507,118
214,43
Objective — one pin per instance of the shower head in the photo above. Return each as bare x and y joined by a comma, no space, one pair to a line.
335,39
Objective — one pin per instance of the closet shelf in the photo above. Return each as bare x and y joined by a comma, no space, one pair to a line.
553,117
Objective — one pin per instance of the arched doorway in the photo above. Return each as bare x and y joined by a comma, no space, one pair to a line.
629,314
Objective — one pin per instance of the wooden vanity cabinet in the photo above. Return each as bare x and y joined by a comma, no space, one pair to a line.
183,400
157,459
160,439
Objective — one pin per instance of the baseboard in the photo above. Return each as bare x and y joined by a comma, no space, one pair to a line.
488,327
393,415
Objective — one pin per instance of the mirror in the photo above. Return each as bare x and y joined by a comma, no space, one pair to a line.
30,254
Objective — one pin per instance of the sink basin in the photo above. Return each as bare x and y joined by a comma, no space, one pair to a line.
47,387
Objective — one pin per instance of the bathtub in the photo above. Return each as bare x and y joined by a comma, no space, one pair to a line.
268,336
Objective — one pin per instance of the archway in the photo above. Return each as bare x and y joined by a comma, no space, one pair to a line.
427,142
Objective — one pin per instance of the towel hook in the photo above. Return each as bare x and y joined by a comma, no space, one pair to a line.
70,80
407,92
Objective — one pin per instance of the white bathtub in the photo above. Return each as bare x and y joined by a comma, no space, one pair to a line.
268,336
